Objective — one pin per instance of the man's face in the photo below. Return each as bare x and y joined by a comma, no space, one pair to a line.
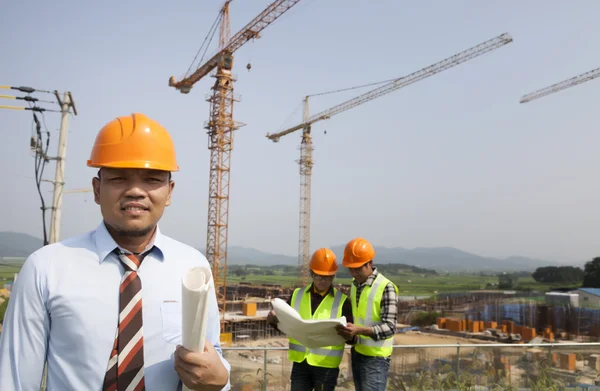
132,201
322,283
361,273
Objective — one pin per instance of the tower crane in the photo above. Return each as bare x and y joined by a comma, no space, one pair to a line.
306,162
220,128
561,85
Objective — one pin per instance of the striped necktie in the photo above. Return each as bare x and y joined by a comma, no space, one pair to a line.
125,369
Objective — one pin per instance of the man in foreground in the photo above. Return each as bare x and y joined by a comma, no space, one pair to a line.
317,369
374,306
104,308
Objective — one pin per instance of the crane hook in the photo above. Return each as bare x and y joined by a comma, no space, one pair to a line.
248,67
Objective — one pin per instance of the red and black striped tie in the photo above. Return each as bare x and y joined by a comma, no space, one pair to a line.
125,369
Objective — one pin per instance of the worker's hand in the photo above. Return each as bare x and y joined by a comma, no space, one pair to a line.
348,332
201,370
272,318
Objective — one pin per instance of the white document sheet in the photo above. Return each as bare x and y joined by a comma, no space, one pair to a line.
310,333
197,287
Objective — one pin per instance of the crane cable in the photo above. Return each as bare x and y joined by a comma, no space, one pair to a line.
211,35
333,92
352,88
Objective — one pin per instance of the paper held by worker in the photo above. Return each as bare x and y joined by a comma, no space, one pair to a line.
310,333
197,287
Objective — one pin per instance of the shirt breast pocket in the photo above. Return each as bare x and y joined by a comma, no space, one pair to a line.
171,321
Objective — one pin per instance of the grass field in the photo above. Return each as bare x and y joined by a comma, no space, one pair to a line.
7,273
408,283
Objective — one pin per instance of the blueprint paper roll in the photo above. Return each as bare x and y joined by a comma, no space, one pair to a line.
310,333
197,286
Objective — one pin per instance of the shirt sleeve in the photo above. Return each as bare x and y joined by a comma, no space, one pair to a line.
389,314
347,310
24,337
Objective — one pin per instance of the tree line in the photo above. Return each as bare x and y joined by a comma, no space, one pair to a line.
588,277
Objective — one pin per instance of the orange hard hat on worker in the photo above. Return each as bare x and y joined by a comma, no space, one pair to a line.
134,141
358,251
323,262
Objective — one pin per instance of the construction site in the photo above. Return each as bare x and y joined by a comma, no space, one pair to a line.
475,332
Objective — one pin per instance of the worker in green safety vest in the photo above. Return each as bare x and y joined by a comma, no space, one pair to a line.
317,368
374,301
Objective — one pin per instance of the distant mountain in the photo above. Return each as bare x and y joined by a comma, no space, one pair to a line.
243,255
15,244
451,259
442,259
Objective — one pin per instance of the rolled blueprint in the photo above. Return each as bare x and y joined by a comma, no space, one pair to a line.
310,333
197,286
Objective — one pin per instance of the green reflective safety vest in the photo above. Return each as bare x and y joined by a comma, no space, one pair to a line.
330,308
367,313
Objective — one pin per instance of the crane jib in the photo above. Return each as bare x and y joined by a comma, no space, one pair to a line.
404,81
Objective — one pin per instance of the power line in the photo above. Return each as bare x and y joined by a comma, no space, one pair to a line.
34,108
40,147
28,90
26,98
40,161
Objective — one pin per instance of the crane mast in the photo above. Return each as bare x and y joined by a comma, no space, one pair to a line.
306,164
306,148
561,85
220,128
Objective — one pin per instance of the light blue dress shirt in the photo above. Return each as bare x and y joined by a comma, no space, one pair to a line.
65,306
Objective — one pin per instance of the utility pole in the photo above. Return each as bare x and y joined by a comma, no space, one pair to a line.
59,178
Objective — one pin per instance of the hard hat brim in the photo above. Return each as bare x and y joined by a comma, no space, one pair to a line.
134,164
354,265
321,273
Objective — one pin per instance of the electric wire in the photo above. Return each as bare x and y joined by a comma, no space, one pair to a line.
40,161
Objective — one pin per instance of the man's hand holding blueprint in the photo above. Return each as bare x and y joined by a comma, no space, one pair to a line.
310,333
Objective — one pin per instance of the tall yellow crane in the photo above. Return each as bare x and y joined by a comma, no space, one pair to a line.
221,126
561,85
306,162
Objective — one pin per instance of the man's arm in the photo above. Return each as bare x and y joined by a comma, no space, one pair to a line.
24,337
272,316
389,315
347,312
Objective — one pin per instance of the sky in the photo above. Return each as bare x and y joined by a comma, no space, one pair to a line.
452,160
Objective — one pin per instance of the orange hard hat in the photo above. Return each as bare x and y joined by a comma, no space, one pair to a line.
323,262
134,141
358,251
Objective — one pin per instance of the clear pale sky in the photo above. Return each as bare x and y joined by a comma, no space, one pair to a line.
453,160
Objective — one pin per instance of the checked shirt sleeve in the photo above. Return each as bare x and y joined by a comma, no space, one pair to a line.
389,314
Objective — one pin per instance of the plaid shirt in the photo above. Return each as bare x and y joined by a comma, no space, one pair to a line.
389,308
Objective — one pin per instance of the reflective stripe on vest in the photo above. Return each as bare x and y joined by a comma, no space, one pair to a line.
367,312
330,308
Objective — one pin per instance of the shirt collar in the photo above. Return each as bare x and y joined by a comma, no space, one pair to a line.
105,244
313,290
